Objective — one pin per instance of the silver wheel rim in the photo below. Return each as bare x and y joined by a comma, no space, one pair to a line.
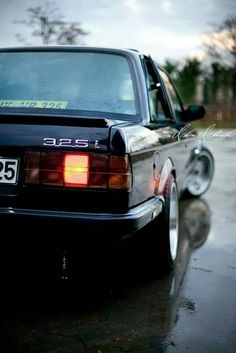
174,222
200,176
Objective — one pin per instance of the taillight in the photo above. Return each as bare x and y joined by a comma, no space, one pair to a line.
32,167
81,170
76,170
51,168
119,173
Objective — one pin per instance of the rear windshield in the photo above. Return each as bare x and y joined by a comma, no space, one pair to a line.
97,82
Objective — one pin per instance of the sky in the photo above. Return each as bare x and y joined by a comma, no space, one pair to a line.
162,28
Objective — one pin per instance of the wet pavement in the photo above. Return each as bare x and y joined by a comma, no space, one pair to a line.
193,309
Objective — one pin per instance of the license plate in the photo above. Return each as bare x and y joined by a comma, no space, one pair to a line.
8,170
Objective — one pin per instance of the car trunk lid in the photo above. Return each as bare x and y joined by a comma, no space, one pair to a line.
20,136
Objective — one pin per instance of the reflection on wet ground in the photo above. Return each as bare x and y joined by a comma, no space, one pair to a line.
143,314
191,310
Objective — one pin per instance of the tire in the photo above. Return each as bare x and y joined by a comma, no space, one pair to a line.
200,177
165,232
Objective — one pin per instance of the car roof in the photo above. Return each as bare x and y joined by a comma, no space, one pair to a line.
61,48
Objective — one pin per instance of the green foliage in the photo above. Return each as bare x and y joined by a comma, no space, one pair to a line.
185,77
217,83
220,85
171,67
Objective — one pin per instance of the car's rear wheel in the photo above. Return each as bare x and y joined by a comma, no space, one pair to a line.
165,231
201,175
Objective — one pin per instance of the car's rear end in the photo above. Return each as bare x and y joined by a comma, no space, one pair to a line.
58,197
63,171
57,109
59,180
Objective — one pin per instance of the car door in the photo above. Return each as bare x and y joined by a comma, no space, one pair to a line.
186,134
163,121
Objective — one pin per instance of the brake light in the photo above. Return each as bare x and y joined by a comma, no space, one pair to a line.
81,170
76,170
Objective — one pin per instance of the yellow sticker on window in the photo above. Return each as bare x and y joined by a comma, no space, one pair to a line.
8,103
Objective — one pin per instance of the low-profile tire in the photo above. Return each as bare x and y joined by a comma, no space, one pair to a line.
200,177
165,232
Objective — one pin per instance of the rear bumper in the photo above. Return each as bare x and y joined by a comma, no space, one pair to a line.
119,224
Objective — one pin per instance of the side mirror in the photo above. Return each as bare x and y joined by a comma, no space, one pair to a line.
194,112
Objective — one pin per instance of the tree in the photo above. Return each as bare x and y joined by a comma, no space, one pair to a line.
221,42
221,49
219,84
171,67
48,25
185,76
187,79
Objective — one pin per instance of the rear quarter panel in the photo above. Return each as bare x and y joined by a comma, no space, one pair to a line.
148,150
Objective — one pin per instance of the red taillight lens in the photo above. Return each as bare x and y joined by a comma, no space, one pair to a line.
32,167
82,170
98,171
51,168
76,170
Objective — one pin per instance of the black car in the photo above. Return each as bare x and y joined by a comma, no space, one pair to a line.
98,140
